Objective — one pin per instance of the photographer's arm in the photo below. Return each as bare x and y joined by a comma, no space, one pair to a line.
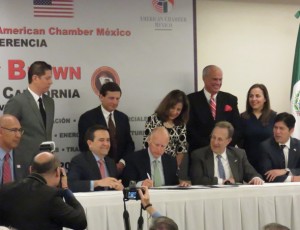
145,201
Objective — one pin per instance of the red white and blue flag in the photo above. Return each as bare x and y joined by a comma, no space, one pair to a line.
53,8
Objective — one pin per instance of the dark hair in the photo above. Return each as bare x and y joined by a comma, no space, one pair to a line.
171,99
164,223
266,111
38,68
109,86
45,167
90,133
288,119
226,125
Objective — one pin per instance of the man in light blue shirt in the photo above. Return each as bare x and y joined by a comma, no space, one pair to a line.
10,136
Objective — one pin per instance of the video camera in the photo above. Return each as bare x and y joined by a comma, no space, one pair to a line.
48,146
131,192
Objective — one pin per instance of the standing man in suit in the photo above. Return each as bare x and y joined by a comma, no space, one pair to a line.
10,136
107,115
220,164
94,170
35,111
36,203
280,154
209,106
151,167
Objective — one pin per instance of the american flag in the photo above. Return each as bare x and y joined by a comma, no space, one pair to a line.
53,8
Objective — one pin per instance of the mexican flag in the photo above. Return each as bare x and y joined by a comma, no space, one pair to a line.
295,88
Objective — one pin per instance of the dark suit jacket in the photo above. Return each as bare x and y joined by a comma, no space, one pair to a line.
271,157
202,166
201,122
24,107
31,204
138,165
84,168
95,116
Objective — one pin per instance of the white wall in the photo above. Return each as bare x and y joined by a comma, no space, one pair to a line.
253,42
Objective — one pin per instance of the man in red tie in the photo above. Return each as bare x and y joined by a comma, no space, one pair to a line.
94,170
209,106
10,136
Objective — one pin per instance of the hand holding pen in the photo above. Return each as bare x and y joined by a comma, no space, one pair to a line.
148,182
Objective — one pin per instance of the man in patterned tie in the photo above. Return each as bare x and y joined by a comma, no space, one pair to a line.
93,170
219,163
10,136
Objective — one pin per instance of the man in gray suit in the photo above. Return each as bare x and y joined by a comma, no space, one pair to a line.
35,111
220,164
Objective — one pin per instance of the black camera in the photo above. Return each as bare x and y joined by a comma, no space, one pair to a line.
131,192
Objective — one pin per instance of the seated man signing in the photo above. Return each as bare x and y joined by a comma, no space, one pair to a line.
94,170
151,167
220,164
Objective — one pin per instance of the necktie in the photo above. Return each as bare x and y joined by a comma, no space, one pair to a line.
221,168
212,104
156,173
102,168
42,110
282,155
113,140
6,172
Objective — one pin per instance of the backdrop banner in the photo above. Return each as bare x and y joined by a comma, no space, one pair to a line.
147,46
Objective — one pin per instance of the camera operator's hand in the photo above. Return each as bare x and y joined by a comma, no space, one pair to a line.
148,183
145,200
64,180
109,182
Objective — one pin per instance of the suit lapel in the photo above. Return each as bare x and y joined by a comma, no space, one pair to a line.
220,106
32,103
210,165
93,164
293,157
233,163
207,115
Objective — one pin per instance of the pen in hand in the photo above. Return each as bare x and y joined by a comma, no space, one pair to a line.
149,176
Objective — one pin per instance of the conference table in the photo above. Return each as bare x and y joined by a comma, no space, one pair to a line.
244,207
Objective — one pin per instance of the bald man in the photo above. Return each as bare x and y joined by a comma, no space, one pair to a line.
146,165
37,203
10,136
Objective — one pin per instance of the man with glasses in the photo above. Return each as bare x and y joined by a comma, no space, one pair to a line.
10,136
151,167
35,111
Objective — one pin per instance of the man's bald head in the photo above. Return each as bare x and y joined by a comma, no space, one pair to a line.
45,163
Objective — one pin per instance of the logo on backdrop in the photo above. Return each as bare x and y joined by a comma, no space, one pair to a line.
296,103
163,6
53,8
103,75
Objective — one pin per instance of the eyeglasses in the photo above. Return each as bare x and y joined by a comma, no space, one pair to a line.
15,130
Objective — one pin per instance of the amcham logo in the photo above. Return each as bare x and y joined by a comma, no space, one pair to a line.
163,6
103,75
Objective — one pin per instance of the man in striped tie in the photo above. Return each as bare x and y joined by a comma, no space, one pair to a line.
10,136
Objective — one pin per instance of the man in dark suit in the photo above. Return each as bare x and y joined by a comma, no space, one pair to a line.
10,136
121,141
280,154
220,164
151,167
35,111
94,170
36,203
202,117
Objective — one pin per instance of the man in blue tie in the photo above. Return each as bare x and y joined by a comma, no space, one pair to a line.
219,163
10,137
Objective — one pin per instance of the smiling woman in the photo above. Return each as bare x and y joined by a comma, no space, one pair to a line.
257,122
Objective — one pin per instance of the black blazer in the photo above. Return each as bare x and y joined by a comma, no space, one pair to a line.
33,205
95,116
138,165
202,166
201,122
84,168
271,157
